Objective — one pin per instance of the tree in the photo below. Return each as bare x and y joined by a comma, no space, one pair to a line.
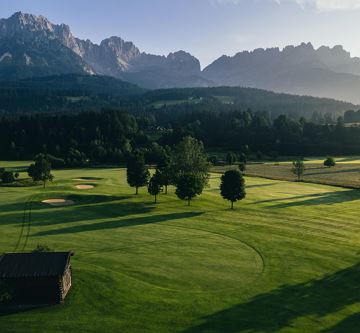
329,162
230,158
154,186
189,185
298,168
165,169
137,172
232,186
190,158
41,169
242,167
243,158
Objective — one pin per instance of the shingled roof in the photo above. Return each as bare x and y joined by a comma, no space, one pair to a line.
43,264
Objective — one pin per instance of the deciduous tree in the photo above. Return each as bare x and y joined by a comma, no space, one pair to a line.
41,169
329,162
189,185
298,168
137,172
154,186
232,186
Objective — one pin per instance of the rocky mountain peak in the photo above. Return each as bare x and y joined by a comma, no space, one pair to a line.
21,21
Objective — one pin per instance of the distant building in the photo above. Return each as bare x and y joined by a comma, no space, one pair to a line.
36,278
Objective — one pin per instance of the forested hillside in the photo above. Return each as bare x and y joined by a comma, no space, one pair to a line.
74,92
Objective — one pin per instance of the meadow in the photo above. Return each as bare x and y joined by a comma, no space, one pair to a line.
346,173
285,260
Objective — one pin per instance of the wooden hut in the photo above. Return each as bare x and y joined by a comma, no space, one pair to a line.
36,278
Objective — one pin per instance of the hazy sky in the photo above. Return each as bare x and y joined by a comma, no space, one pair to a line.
205,28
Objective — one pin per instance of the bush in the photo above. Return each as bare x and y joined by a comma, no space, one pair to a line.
7,177
329,162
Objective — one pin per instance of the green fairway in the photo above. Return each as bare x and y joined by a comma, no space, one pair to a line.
285,260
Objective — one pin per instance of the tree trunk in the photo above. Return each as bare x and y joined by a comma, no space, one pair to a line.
166,189
232,204
44,183
189,202
137,190
155,199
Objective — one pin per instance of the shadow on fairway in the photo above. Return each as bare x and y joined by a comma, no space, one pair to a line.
261,185
327,198
329,171
5,311
278,309
130,222
84,208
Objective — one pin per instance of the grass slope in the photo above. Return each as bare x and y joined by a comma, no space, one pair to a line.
286,260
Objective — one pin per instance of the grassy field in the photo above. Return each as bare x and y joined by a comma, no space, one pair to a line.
343,174
286,260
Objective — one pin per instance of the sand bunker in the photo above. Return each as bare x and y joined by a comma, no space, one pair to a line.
58,202
84,187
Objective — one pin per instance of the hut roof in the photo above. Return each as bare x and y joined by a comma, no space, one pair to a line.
43,264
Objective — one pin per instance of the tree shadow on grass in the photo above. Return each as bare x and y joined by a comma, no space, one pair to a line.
84,207
280,308
261,185
348,325
9,310
329,171
327,198
88,213
130,222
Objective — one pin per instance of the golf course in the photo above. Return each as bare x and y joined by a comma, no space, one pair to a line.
286,259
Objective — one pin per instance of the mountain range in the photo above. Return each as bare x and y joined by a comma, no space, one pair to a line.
32,46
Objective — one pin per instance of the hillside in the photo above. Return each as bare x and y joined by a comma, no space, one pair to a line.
65,92
90,92
244,98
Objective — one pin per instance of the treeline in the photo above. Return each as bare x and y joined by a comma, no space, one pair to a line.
352,116
79,139
108,137
234,130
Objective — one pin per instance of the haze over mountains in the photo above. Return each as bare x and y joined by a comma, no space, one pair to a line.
32,46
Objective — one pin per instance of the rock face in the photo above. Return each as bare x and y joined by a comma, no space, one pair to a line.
33,46
323,72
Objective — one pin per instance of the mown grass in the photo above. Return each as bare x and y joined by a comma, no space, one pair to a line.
286,260
346,173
